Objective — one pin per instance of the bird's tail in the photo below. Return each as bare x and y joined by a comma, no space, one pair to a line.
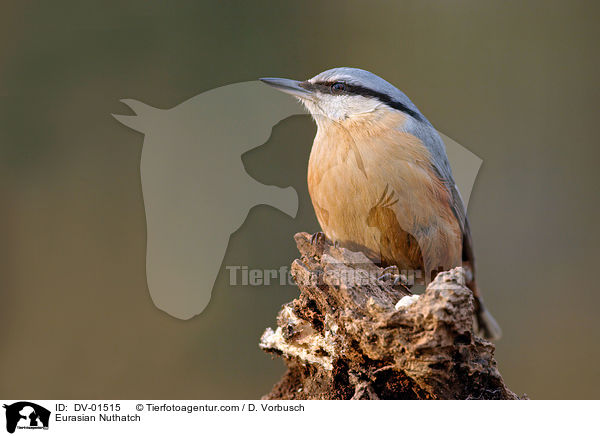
485,324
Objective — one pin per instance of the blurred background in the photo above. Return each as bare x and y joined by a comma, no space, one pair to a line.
516,82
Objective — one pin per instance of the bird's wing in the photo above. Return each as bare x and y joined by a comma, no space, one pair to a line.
444,171
441,165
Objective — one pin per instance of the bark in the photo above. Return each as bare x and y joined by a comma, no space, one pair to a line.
350,335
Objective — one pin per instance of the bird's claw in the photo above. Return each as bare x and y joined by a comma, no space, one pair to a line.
317,237
401,279
388,273
393,273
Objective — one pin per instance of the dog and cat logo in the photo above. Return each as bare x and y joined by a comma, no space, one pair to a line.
26,415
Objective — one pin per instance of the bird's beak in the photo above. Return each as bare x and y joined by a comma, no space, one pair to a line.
292,87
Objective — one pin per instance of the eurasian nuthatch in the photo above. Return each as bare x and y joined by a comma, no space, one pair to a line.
380,180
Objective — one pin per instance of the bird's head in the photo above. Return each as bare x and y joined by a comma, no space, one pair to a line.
346,93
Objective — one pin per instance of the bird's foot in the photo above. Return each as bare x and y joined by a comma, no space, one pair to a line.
398,280
388,273
401,280
317,238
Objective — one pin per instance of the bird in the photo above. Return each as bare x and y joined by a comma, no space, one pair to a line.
380,181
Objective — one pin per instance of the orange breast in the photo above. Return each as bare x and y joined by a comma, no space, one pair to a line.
373,189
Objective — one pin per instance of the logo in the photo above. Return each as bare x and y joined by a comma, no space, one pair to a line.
197,192
26,415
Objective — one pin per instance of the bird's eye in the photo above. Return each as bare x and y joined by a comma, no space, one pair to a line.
338,87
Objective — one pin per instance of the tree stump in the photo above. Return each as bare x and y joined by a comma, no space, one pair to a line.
350,335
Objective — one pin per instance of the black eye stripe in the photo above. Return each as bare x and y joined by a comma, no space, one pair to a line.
325,88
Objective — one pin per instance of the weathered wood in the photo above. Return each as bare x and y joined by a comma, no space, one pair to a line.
347,336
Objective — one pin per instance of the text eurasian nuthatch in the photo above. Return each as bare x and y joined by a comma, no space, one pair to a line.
380,180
